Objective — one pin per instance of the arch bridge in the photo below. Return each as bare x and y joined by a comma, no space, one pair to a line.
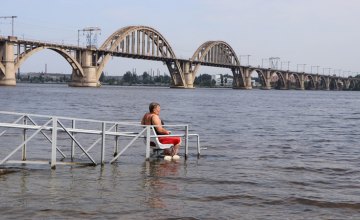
142,42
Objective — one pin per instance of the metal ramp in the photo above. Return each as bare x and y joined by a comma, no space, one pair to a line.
67,141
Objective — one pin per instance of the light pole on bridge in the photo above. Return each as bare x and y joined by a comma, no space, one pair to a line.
326,69
12,22
79,37
248,58
317,67
273,62
288,64
297,67
262,62
90,31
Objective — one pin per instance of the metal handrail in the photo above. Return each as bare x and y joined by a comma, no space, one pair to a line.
69,118
58,125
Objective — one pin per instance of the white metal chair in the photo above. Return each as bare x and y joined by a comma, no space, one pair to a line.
156,145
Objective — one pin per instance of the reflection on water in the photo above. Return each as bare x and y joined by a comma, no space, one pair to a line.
270,155
155,184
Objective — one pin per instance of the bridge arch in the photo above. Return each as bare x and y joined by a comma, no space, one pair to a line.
294,79
310,82
351,84
281,80
218,53
143,41
77,69
342,83
356,83
261,76
2,69
321,83
333,83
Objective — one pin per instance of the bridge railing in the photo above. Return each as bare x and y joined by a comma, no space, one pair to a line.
86,141
50,43
44,42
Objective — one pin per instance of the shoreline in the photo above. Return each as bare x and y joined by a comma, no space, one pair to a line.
138,85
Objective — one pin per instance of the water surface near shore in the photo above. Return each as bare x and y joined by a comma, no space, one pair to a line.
270,155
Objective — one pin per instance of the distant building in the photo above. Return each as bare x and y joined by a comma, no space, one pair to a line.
253,83
223,80
217,79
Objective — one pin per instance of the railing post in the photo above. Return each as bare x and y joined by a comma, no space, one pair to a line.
147,143
116,147
198,145
53,142
23,153
186,141
72,141
103,144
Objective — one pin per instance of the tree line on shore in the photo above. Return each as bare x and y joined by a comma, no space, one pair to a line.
131,78
128,79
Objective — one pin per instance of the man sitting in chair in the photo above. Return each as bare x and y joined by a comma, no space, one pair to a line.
152,118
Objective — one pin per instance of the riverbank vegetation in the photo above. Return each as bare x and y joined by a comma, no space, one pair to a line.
131,78
128,79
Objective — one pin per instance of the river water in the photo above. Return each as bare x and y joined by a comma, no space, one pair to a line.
270,155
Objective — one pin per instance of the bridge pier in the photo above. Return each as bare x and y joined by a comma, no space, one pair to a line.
189,78
7,65
286,81
248,85
327,83
247,74
266,87
288,84
242,78
267,79
89,79
347,84
179,78
302,82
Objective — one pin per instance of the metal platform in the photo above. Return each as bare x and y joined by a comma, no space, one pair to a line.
69,135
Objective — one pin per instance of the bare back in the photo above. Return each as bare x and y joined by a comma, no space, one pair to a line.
153,119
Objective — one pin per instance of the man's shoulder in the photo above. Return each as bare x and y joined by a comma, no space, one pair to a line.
155,118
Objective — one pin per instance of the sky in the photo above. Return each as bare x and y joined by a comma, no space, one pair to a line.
322,33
